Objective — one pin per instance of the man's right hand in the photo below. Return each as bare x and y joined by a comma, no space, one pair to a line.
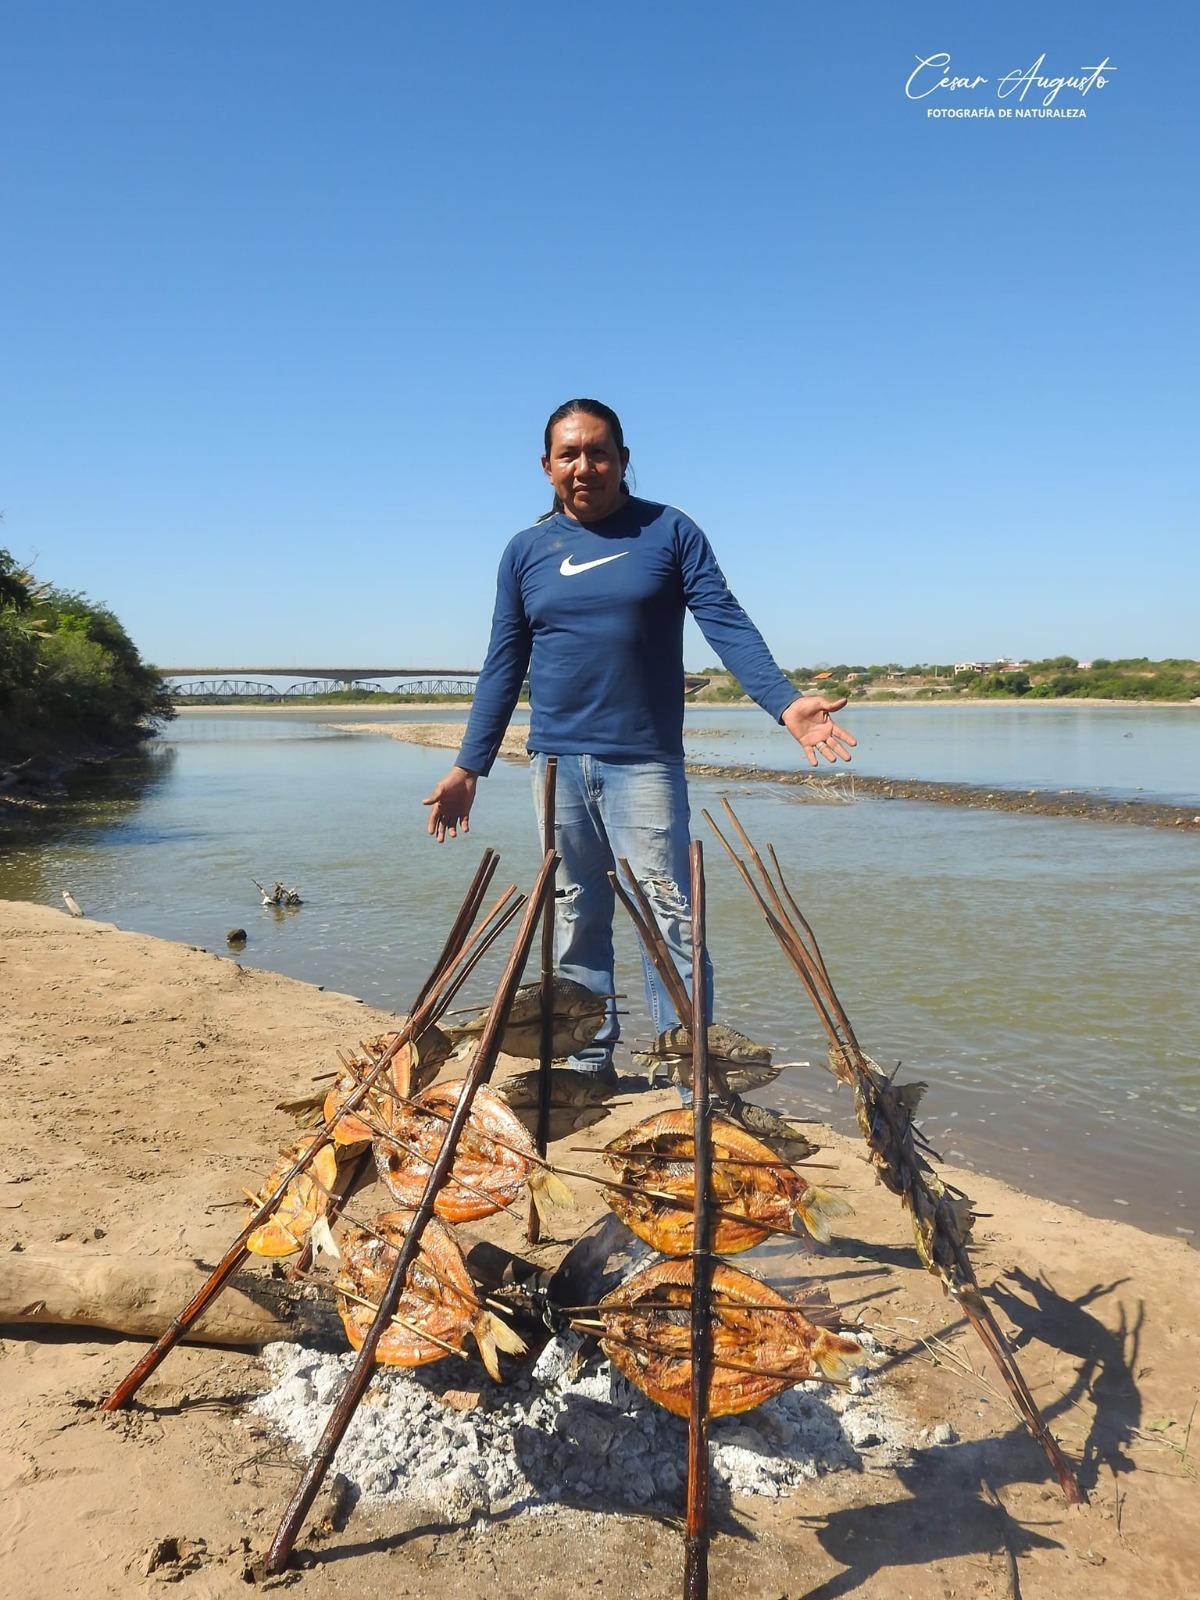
451,800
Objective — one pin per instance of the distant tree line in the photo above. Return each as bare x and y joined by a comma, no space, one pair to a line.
69,673
1131,678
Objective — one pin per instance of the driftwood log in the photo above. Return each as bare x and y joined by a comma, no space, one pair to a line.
138,1295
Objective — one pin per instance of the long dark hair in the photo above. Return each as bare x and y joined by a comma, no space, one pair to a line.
593,408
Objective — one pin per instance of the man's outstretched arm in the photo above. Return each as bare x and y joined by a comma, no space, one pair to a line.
742,649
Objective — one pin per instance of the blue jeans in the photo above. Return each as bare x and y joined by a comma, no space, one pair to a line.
604,810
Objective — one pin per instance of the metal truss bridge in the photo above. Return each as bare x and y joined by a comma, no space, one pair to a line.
252,683
252,689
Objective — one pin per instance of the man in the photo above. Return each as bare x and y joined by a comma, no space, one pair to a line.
590,601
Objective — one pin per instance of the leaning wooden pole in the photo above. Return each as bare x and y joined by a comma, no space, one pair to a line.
695,1568
364,1362
239,1249
533,1230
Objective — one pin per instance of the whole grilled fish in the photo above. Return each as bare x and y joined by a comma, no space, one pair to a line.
414,1066
748,1181
762,1343
577,1100
786,1138
744,1064
304,1200
440,1305
485,1176
578,1017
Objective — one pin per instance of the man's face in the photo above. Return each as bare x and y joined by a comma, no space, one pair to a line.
585,466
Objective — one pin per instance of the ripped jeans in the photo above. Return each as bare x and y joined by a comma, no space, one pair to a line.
604,810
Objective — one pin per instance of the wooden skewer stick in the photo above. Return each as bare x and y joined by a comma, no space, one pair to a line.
360,1374
696,1541
441,986
533,1228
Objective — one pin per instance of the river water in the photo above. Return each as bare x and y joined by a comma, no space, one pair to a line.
1039,973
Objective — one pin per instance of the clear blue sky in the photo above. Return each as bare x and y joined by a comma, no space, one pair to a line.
288,291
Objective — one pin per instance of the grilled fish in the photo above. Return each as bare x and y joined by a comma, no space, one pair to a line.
438,1309
304,1200
577,1100
658,1156
414,1065
786,1138
744,1064
757,1352
578,1016
485,1176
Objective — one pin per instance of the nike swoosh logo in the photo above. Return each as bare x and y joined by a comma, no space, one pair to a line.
569,568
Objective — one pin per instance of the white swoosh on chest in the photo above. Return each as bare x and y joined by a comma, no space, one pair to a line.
569,568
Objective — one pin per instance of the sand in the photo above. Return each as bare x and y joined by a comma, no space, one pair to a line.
141,1077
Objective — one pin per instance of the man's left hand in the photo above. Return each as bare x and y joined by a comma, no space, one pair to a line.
810,722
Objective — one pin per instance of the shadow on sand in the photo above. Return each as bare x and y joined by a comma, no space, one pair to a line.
953,1508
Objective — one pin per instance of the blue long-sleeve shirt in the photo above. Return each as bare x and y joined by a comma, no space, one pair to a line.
594,613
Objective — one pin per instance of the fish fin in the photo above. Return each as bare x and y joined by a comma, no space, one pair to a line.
817,1208
504,1337
322,1240
548,1190
487,1347
836,1356
492,1336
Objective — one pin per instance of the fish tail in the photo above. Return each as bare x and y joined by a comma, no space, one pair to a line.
835,1356
816,1208
492,1335
547,1190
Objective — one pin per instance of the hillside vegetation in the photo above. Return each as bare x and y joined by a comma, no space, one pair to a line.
71,679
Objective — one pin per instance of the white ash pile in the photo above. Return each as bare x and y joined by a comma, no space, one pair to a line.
570,1430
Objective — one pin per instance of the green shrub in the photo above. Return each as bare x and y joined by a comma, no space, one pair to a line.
68,669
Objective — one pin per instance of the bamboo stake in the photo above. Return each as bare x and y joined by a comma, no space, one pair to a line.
696,1541
905,1170
533,1227
441,985
360,1374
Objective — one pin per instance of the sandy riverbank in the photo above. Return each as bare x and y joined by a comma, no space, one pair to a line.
850,783
141,1077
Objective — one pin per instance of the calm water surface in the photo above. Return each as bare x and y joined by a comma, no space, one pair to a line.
1040,973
